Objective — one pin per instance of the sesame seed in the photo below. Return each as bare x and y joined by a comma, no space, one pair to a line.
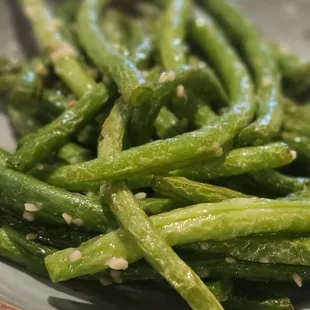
75,256
29,216
64,51
294,154
58,23
180,91
31,207
171,76
117,263
78,222
230,260
267,82
40,166
72,103
297,279
67,218
31,236
163,77
106,80
41,69
140,195
264,260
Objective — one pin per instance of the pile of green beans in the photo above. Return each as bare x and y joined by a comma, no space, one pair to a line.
165,141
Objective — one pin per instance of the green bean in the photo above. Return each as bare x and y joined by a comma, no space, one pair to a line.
9,65
73,153
204,115
294,110
28,87
192,192
172,33
191,224
114,27
168,125
296,125
263,64
270,304
7,82
53,103
123,71
217,267
15,247
196,82
137,226
154,206
59,131
17,189
4,155
275,184
240,161
295,71
298,143
271,249
61,53
142,43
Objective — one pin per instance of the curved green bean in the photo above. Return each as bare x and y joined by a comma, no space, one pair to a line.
172,33
275,184
60,52
197,223
298,143
121,69
191,192
263,64
271,249
17,189
52,136
240,161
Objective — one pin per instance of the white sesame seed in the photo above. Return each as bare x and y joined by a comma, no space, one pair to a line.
78,222
140,195
264,260
171,76
294,154
72,103
75,256
267,82
31,207
58,23
102,189
105,282
40,166
29,216
180,91
62,52
117,263
67,218
31,236
230,260
41,69
219,152
116,276
297,279
163,77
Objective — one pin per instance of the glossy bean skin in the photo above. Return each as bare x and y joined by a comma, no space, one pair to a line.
15,247
109,60
260,57
190,192
59,131
240,161
18,189
273,249
298,143
186,225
